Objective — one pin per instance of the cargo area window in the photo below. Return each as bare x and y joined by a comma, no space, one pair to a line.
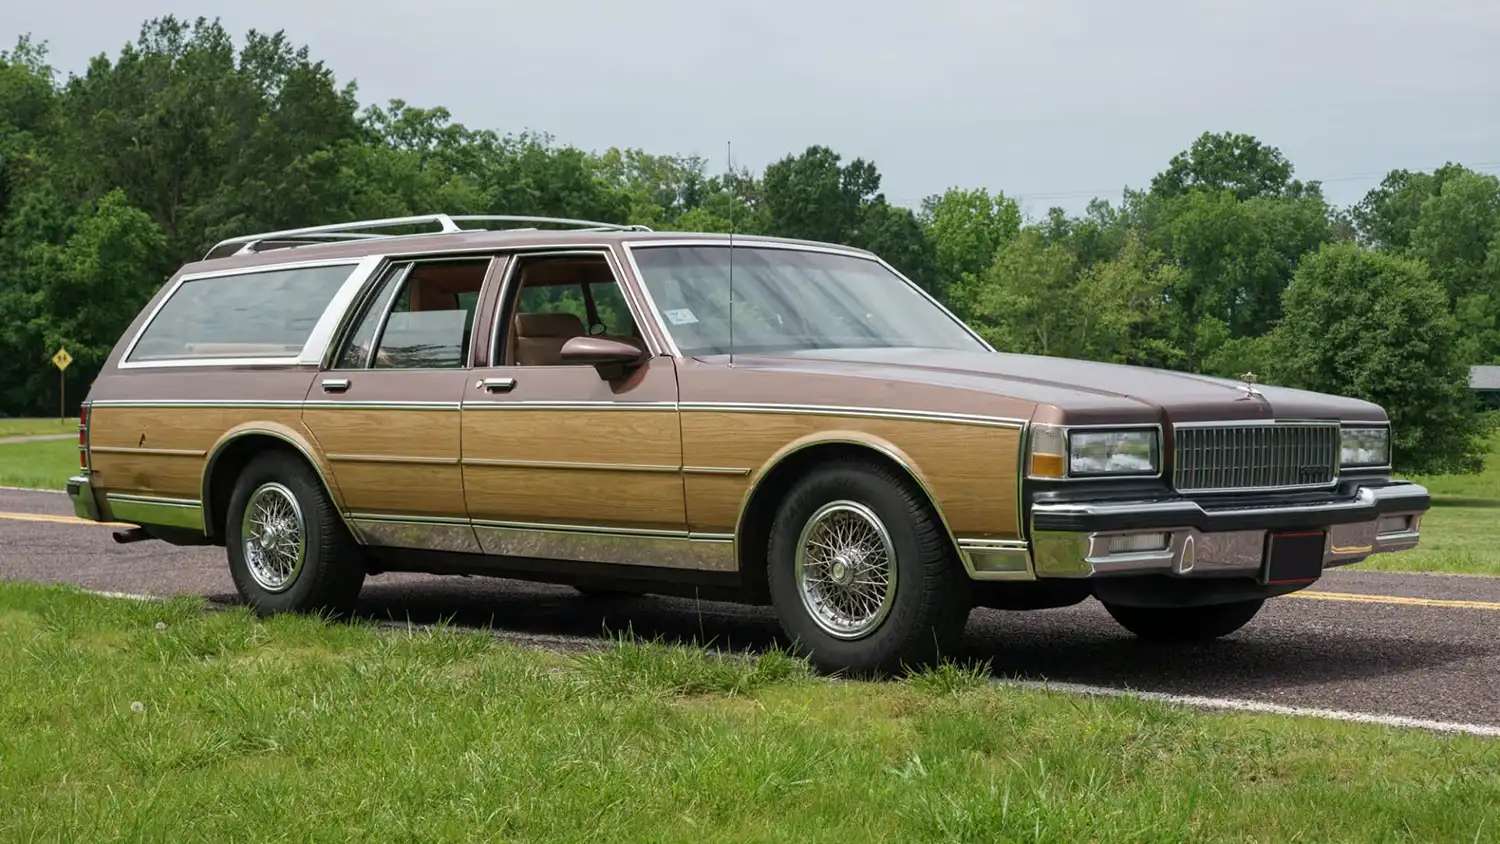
266,315
419,315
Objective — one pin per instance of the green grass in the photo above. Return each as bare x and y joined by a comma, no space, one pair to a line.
126,721
30,427
1458,532
38,465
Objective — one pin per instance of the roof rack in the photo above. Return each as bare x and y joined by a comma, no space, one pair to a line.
446,223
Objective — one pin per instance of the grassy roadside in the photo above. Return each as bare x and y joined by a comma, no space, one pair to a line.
30,427
132,721
38,465
1458,532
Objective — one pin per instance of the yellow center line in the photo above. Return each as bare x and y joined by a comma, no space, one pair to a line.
1396,599
58,520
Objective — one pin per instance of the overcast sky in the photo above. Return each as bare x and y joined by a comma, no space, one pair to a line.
1050,100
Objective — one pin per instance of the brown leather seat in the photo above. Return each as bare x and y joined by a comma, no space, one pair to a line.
540,337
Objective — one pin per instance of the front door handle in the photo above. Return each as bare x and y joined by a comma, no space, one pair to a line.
497,385
335,385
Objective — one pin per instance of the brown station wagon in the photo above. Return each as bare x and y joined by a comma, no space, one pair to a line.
748,419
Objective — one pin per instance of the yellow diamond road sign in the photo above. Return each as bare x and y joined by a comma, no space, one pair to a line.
62,359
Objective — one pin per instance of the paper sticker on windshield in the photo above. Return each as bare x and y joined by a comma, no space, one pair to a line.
681,316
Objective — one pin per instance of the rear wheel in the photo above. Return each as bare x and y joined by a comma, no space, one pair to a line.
1185,624
288,549
862,574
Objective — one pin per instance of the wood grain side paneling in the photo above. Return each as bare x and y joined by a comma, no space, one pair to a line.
402,461
134,436
971,470
549,466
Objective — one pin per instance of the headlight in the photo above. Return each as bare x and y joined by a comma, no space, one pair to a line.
1057,453
1365,447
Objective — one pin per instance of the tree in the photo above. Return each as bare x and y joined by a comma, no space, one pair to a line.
1232,162
1387,216
1025,303
812,196
1458,235
1376,326
967,228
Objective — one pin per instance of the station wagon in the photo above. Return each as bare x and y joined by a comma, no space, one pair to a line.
736,418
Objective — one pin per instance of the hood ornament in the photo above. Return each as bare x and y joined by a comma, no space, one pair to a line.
1247,383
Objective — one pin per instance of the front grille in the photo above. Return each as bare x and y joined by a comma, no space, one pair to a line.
1250,457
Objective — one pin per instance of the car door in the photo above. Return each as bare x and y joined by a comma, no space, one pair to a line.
563,461
386,411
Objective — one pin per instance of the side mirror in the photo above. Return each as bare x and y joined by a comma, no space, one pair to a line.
610,357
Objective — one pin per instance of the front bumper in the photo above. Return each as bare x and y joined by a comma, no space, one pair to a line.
84,503
1187,538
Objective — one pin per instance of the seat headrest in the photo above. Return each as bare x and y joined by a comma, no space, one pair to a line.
548,325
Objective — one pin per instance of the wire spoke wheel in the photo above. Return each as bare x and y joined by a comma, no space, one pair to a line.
275,537
846,569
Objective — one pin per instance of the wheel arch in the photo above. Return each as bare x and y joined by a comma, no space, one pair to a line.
234,451
773,480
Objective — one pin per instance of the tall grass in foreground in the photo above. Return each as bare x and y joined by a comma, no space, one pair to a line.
124,721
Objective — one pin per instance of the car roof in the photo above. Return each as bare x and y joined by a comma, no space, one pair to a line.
273,251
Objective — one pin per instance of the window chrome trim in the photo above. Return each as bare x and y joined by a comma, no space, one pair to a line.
471,404
830,249
355,265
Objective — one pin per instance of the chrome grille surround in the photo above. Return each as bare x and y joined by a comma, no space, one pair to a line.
1241,457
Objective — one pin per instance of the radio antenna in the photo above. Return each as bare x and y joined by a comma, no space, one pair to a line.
728,172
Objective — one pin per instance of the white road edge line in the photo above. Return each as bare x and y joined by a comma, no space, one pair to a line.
31,489
1260,707
126,596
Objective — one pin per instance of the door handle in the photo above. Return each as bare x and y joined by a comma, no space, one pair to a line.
497,385
335,385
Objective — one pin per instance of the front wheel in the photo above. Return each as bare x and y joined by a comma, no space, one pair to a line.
1185,624
862,574
288,549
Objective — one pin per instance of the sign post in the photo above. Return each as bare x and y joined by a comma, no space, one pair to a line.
61,361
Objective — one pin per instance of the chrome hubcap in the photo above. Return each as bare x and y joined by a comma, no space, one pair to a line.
846,569
275,537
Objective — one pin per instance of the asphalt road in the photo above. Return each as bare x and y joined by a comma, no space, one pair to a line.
1418,646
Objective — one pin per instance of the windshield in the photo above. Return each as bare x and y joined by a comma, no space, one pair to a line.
789,300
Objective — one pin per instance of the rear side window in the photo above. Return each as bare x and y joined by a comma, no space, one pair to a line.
250,315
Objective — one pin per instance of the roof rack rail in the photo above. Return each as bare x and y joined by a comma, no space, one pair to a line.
446,223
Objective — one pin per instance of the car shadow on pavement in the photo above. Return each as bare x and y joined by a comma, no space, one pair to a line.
1077,645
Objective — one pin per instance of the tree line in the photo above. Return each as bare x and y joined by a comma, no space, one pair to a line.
1225,263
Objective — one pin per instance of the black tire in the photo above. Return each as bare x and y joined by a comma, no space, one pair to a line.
333,566
1185,624
925,616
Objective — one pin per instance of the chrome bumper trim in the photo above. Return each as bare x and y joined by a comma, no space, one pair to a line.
1194,551
85,505
154,510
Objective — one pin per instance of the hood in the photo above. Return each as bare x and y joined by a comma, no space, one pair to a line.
1082,392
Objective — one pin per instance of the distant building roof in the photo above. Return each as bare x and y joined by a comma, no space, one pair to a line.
1484,378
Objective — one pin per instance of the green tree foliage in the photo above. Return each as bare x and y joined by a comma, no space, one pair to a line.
967,229
1230,162
1377,326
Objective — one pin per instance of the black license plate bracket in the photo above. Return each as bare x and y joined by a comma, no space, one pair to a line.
1293,557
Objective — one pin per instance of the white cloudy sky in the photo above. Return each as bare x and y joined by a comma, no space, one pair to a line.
1051,100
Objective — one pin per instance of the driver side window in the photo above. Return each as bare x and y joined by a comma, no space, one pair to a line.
561,297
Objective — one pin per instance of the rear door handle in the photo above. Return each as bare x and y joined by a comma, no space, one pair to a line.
335,385
497,385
